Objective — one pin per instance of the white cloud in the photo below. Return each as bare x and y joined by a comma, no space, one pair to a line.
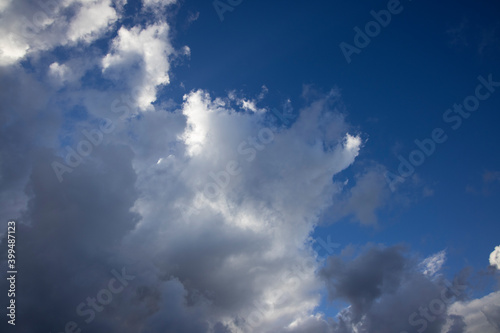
480,315
432,264
262,217
29,27
12,49
4,4
93,18
249,105
61,73
157,3
140,58
495,257
197,111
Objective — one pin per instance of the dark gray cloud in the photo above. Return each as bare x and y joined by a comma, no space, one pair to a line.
458,324
364,279
387,292
67,237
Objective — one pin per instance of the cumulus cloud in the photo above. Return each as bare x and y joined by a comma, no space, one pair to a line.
24,99
202,213
495,257
252,223
28,27
92,19
457,324
225,215
480,315
60,73
387,292
140,58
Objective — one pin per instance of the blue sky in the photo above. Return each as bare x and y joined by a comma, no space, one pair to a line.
395,91
208,147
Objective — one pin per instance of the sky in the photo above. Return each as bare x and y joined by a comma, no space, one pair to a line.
236,166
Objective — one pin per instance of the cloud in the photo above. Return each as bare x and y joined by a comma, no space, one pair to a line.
249,232
233,262
387,292
208,206
495,257
23,125
153,3
433,264
140,58
361,281
363,199
29,27
457,324
92,19
480,315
